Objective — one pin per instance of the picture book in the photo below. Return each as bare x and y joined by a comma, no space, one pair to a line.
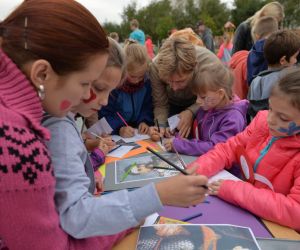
141,170
196,236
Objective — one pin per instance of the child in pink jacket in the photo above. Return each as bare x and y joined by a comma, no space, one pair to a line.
270,147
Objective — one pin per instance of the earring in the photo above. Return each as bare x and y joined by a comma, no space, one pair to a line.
41,92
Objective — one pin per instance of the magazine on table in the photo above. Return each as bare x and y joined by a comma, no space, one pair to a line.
140,170
196,236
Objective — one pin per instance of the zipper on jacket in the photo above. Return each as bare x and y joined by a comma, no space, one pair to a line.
264,152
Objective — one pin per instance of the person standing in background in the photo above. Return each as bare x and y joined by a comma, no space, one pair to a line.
206,35
243,38
136,34
149,46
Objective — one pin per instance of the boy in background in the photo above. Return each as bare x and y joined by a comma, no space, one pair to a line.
256,61
280,50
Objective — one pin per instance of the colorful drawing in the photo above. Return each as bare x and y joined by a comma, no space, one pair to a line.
192,237
140,170
146,167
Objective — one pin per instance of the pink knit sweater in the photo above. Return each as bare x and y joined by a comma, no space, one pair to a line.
28,219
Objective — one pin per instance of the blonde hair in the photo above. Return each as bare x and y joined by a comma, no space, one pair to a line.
175,55
274,9
116,57
264,27
212,77
136,55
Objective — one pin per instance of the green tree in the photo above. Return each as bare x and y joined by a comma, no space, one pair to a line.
292,13
214,14
243,9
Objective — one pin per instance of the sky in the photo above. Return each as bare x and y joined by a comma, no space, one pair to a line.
103,10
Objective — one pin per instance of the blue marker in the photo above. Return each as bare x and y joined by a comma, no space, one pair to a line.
192,217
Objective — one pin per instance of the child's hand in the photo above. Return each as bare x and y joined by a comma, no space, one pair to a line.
188,190
168,144
89,142
127,132
104,147
99,184
154,134
168,133
215,186
109,142
143,128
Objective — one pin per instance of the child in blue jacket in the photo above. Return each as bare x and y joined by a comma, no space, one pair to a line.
132,100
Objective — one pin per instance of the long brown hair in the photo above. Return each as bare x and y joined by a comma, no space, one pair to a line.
62,32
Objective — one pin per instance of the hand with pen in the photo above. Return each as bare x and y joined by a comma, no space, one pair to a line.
126,131
168,144
182,190
106,145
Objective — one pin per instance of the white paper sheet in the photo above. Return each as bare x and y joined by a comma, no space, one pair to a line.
101,127
135,138
225,175
120,151
173,122
151,219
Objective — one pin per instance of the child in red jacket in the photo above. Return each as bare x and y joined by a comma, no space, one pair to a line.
269,152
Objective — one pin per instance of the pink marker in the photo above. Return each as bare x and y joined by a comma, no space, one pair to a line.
123,120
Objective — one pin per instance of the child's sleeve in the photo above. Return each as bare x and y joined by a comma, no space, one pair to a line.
146,114
81,214
229,127
224,154
267,204
97,158
110,112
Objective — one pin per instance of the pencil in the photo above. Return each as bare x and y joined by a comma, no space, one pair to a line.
123,120
97,136
192,217
179,158
167,161
157,167
157,124
171,163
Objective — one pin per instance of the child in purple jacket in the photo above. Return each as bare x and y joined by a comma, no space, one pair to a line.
220,116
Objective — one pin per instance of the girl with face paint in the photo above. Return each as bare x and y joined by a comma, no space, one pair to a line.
269,150
112,214
220,116
41,72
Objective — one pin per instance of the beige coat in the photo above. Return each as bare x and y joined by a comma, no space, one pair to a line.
164,96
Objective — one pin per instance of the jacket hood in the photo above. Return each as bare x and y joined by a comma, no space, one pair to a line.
239,105
238,58
256,57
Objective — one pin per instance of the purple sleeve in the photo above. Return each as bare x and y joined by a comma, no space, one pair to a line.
97,158
197,147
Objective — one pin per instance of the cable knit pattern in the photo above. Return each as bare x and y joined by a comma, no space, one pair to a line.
27,211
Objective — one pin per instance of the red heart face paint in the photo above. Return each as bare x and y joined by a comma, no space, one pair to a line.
65,104
92,97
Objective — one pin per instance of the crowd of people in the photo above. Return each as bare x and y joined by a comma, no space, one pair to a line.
241,103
